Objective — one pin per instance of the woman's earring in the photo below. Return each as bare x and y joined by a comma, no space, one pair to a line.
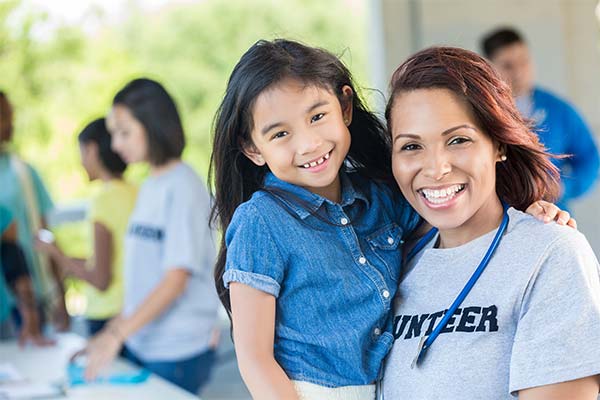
503,158
346,121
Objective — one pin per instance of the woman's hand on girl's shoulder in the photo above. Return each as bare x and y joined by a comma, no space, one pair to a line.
546,212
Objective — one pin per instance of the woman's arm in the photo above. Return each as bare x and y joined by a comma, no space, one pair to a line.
105,346
100,275
579,389
253,314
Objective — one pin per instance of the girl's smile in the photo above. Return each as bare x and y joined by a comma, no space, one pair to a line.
300,132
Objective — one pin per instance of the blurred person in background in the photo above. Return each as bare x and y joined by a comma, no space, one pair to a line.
15,280
169,316
25,196
108,215
560,127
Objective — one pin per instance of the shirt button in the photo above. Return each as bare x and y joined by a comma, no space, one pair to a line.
391,240
385,294
344,221
377,331
362,260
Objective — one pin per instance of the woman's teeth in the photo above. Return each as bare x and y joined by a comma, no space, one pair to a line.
439,196
318,162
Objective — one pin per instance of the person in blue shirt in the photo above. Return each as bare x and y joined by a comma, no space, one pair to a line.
313,223
560,127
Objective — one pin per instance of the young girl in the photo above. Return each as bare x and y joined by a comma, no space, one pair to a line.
109,213
310,259
529,326
170,305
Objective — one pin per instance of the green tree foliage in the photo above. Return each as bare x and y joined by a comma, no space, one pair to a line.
63,79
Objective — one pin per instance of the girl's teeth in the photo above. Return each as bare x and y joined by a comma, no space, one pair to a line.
318,162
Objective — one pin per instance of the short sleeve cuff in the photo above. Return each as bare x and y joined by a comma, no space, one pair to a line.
260,282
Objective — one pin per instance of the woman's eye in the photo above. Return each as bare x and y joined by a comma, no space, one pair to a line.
459,140
317,117
279,135
410,147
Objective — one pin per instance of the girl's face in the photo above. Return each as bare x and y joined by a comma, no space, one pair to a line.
301,133
128,136
443,162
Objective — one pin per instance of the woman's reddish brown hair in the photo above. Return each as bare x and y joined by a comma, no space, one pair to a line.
527,175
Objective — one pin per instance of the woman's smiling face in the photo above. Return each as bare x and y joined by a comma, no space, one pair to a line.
443,162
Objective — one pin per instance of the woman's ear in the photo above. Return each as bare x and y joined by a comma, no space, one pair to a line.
347,104
253,154
501,153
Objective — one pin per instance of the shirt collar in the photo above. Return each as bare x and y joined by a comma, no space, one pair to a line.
310,202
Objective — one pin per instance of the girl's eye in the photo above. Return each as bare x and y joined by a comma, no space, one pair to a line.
317,117
410,147
459,140
279,135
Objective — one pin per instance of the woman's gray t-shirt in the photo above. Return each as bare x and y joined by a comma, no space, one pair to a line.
532,318
169,229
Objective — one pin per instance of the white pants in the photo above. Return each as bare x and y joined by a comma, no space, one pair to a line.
310,391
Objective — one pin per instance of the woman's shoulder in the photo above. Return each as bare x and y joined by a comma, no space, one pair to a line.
182,181
545,237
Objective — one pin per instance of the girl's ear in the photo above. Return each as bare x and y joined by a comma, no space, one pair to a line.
253,154
347,102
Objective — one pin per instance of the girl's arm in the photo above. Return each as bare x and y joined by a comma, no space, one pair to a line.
104,347
579,389
100,275
253,316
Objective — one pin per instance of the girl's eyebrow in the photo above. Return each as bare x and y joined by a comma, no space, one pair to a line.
317,104
446,132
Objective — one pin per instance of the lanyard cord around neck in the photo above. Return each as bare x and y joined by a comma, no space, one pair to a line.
427,341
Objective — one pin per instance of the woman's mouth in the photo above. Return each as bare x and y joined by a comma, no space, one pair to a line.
441,196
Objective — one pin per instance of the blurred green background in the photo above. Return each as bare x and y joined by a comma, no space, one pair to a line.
60,74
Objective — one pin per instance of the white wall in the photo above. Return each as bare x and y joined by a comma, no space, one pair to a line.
563,36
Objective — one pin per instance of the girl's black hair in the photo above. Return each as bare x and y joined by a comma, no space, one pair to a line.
96,132
154,108
235,178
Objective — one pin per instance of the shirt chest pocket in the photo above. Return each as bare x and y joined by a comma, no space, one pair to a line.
385,244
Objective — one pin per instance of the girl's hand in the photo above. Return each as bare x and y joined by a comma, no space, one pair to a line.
31,334
30,331
101,351
546,212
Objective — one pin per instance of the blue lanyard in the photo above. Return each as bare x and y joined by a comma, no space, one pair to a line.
427,341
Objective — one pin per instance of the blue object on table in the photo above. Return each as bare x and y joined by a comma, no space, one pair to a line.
75,375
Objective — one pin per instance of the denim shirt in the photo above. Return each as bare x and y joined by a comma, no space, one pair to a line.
334,275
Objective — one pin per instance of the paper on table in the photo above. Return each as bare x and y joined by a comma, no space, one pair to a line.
9,374
31,391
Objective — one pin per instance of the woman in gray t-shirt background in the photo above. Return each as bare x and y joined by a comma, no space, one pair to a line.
170,305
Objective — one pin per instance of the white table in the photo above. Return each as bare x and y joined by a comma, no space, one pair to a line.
48,364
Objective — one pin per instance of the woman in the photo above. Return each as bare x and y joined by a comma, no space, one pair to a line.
108,214
527,323
170,305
